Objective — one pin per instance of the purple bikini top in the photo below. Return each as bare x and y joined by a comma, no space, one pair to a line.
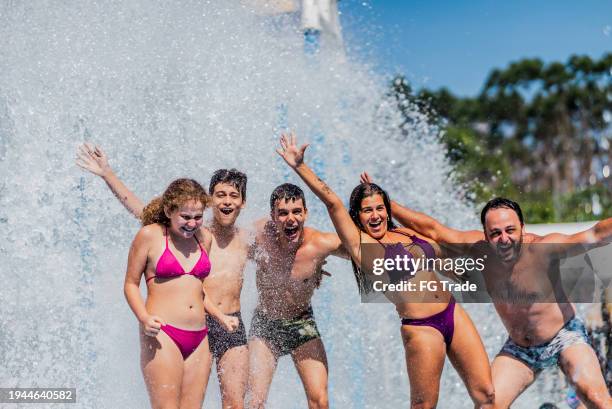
168,266
398,249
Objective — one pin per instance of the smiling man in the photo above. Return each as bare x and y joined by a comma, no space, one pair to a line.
521,272
289,258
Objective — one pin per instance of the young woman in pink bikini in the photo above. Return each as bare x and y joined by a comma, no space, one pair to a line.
171,251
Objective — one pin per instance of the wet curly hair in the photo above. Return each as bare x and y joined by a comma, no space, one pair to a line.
176,194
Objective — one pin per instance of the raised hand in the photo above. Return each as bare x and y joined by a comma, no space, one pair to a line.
365,178
322,273
93,159
289,150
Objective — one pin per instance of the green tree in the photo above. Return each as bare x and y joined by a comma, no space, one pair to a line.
537,132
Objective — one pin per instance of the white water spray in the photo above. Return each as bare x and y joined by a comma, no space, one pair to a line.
173,89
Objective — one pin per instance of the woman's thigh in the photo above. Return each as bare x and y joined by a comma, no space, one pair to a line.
425,354
195,376
162,367
469,357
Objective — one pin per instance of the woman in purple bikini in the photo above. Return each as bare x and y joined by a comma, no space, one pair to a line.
430,330
171,251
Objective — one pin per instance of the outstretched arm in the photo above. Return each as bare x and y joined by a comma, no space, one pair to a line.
430,227
427,225
94,160
581,242
347,231
600,233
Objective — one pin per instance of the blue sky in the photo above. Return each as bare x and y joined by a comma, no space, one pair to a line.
456,43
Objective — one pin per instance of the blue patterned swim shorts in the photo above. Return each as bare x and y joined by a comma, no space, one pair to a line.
542,356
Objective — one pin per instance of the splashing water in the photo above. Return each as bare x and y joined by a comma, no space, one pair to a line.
173,89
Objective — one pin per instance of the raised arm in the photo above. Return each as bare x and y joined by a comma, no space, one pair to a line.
427,225
94,160
347,231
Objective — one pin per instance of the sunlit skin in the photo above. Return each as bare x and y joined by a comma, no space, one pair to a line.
289,257
373,216
177,301
187,219
518,272
227,202
425,347
504,232
229,248
228,258
289,217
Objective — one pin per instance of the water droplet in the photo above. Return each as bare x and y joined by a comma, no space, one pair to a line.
607,30
596,205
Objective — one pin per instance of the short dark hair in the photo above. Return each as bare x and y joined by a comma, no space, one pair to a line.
287,191
501,202
231,176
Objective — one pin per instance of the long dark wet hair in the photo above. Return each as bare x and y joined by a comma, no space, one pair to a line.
360,192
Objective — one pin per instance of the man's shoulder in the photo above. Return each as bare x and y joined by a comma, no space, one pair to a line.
320,239
314,234
260,223
244,235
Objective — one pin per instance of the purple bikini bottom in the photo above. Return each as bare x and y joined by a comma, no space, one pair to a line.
444,321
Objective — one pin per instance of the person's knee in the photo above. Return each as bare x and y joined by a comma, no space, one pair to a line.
483,395
421,402
257,403
319,400
233,403
595,397
423,405
255,400
233,399
167,406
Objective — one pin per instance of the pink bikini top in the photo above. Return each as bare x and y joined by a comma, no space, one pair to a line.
168,266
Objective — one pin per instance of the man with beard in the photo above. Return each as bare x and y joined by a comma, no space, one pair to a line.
289,260
228,255
520,270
